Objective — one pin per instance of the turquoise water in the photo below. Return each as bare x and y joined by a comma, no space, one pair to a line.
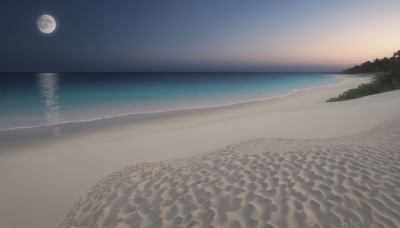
29,100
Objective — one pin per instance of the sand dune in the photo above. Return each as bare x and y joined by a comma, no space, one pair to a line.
351,181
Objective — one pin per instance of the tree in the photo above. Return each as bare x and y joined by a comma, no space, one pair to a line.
396,55
387,77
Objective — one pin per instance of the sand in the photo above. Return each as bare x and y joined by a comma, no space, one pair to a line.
352,181
42,179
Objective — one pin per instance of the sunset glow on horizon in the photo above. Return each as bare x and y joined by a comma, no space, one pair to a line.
202,36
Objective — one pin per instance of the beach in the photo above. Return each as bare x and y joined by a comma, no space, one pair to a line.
351,181
290,161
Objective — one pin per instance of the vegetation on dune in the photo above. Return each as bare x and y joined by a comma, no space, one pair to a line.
387,77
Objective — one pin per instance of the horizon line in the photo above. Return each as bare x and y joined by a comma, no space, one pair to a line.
282,72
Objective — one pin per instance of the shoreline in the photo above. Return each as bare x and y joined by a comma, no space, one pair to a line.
341,79
32,133
52,174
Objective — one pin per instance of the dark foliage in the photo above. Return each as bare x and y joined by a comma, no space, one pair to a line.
387,77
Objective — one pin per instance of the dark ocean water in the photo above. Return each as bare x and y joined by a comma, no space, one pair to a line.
30,99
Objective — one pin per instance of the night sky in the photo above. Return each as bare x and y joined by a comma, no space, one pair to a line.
197,35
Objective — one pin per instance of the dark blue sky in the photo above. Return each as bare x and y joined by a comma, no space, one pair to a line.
197,35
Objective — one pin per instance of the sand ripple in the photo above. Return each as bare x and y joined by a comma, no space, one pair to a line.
338,182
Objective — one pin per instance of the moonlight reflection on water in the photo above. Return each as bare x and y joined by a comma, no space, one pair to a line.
48,85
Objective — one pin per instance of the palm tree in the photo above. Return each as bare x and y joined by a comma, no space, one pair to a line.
396,55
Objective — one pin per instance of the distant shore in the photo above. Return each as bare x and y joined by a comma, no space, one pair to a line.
51,172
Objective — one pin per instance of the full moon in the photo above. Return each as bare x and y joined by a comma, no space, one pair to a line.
46,24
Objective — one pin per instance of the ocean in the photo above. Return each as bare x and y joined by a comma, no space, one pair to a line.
30,100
